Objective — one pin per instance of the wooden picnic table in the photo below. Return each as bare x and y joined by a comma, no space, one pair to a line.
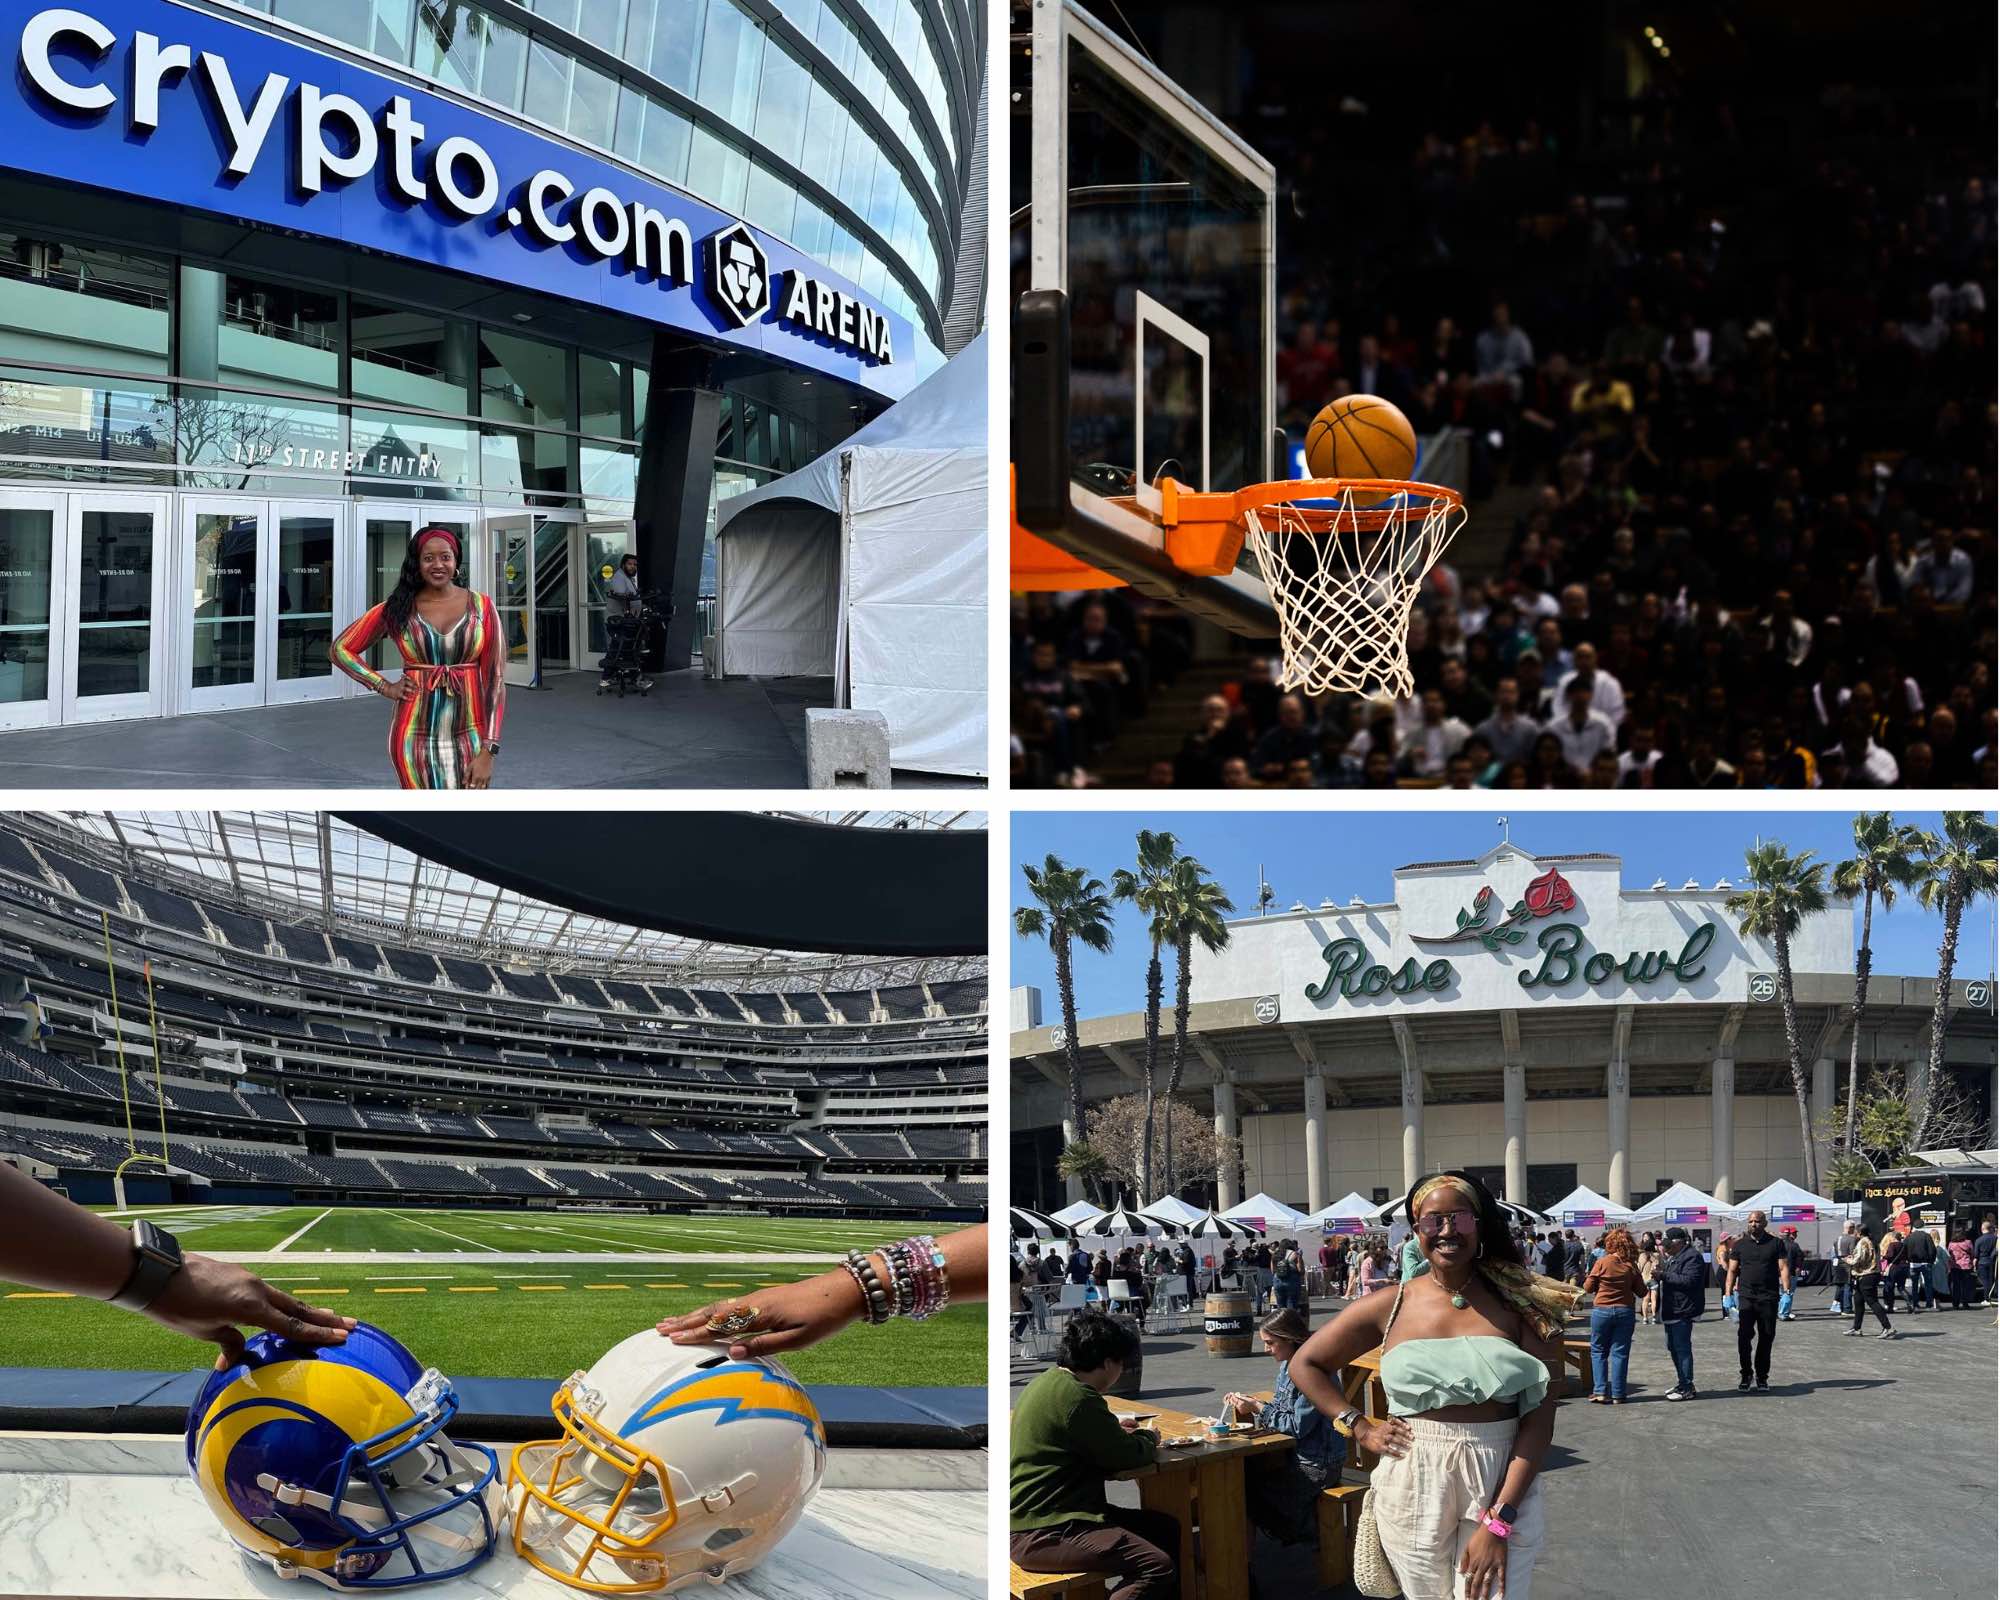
1208,1475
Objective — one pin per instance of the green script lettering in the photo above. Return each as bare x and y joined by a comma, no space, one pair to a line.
1408,978
1688,968
1598,968
1437,976
1342,956
1559,946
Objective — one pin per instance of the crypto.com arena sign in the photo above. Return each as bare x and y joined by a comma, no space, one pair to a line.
187,109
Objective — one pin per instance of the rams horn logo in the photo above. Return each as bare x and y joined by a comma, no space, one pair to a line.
739,274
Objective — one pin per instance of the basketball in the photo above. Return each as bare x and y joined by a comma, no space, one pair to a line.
1362,436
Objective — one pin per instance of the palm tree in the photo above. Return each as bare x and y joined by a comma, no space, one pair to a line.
1150,888
1957,868
1784,890
1884,861
1199,909
1069,909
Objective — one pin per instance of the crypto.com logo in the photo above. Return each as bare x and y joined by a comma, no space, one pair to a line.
739,275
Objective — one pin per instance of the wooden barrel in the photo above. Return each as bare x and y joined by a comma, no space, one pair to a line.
1226,1319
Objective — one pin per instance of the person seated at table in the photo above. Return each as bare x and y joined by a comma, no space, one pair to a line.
1100,1272
1063,1442
1282,1487
1467,1353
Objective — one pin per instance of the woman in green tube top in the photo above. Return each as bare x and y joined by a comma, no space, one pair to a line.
1468,1351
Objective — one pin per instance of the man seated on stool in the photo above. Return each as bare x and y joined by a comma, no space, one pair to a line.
1282,1487
1063,1442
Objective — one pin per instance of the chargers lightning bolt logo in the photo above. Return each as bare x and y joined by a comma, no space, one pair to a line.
734,1392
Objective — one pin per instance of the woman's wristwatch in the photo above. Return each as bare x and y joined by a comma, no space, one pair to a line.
1498,1521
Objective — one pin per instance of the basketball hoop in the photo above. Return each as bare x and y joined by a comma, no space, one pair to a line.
1343,558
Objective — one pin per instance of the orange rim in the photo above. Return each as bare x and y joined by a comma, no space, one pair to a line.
1179,504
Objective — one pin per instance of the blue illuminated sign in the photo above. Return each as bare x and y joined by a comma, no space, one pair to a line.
152,100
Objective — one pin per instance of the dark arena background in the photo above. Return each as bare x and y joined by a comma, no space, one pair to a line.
423,1097
1735,435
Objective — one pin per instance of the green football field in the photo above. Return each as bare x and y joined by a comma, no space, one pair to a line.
502,1318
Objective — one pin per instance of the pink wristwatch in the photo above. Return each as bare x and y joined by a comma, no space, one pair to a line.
1494,1526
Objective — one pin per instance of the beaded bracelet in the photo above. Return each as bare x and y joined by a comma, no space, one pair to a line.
902,1279
874,1297
933,1281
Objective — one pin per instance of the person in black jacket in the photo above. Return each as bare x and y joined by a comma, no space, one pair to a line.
1683,1285
1921,1250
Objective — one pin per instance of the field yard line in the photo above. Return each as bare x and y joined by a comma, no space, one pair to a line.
445,1277
316,1221
461,1238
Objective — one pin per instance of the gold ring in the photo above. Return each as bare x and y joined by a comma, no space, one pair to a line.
737,1319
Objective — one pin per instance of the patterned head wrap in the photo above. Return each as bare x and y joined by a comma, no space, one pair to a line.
1542,1302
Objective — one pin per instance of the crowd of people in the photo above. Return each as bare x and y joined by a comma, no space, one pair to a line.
1463,1271
1747,439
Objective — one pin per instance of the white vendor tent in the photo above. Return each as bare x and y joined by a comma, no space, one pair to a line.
1077,1213
1681,1197
1351,1204
1817,1235
868,566
1583,1198
1172,1208
1276,1216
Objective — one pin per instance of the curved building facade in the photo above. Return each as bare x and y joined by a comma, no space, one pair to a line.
282,280
1532,1018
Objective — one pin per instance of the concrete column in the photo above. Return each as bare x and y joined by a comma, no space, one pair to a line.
1072,1187
1618,1131
1722,1123
1225,1128
1316,1195
1514,1088
1413,1124
1825,1074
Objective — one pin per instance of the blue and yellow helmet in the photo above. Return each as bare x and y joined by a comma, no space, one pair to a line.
331,1462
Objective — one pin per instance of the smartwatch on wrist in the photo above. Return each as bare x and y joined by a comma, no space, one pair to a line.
157,1257
1506,1514
1344,1423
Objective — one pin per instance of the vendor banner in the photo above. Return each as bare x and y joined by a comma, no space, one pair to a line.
1341,1225
1688,1216
1583,1219
1795,1213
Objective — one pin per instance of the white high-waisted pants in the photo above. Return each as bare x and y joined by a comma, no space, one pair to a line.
1427,1506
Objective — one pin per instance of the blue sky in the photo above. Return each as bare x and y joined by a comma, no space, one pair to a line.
1321,855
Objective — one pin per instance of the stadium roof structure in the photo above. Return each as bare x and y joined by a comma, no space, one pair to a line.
316,869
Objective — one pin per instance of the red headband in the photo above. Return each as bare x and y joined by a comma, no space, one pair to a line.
429,534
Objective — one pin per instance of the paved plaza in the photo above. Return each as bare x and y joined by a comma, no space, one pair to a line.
1867,1470
688,733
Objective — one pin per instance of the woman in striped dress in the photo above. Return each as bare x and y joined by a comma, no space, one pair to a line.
453,692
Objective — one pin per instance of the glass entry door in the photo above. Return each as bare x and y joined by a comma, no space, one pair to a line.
510,541
555,627
266,592
603,546
112,651
33,527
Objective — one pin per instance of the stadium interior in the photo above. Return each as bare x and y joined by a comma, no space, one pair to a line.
339,1021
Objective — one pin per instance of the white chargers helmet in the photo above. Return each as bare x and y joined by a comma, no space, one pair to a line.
676,1464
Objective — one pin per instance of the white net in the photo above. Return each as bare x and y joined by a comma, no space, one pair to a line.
1343,580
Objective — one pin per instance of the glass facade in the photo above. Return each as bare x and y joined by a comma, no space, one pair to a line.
842,125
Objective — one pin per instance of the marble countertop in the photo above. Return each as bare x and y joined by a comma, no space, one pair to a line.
115,1515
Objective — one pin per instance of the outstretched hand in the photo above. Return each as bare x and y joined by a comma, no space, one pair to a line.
789,1317
209,1299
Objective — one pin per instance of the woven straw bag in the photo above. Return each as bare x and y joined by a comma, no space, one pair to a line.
1372,1574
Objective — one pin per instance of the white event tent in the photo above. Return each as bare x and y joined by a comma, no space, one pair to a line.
1172,1208
1077,1213
868,566
1276,1216
1684,1197
1817,1235
1584,1198
1353,1204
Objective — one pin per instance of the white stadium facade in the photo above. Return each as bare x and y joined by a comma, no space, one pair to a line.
1532,1018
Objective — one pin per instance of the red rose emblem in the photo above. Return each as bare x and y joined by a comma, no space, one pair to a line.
1548,894
1480,900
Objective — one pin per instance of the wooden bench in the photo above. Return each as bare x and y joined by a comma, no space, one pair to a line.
1052,1585
1339,1512
1576,1353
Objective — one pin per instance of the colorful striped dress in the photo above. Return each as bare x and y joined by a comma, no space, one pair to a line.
461,678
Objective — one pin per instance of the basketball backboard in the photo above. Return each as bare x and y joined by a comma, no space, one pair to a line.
1154,227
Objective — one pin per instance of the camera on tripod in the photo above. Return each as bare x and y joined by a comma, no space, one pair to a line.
627,637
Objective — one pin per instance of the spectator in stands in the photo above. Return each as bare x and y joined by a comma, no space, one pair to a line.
52,1244
1062,1442
1435,739
1293,739
1508,734
1944,569
1606,695
1505,352
1583,731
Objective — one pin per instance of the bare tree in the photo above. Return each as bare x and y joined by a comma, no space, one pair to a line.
1117,1131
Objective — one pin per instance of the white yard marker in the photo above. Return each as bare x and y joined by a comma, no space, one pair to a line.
446,1233
316,1221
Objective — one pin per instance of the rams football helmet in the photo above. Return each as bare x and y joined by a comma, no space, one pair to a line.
331,1462
676,1464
